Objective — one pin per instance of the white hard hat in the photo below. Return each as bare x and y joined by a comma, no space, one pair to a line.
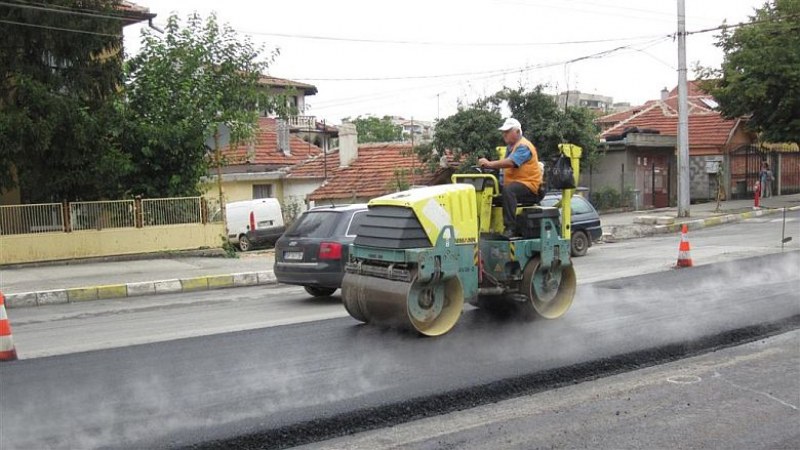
509,124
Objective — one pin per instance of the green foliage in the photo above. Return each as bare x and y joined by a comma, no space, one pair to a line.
228,247
760,74
473,132
546,126
373,129
182,85
470,133
57,126
607,198
400,180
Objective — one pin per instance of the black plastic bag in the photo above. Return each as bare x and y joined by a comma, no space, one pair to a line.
562,176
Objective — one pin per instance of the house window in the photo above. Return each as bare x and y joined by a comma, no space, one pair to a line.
262,191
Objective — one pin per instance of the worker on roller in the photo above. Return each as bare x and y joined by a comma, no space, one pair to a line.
522,174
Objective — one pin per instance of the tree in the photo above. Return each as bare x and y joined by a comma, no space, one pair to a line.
760,73
181,87
469,134
472,132
546,126
57,88
373,129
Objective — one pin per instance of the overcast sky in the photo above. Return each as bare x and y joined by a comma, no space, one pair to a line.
480,41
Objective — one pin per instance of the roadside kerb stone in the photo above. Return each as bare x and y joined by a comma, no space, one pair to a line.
267,278
220,281
718,220
167,286
141,289
55,297
194,284
21,300
112,291
82,294
245,279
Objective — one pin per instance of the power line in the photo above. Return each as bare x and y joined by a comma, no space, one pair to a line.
439,43
345,101
495,72
71,30
50,8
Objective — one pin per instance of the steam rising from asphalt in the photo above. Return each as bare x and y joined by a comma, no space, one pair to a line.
192,394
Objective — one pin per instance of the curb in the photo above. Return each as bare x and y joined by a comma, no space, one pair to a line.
650,230
719,220
139,289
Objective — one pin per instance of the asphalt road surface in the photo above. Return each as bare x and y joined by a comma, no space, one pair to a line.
63,329
745,397
297,383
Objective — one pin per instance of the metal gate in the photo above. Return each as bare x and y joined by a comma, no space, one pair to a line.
745,164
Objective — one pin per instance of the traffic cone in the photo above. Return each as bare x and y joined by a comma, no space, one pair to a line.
7,350
684,258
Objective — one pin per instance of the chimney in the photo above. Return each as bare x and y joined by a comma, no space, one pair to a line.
664,94
348,144
283,137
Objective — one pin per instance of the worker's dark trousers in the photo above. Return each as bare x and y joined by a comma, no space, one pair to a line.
513,194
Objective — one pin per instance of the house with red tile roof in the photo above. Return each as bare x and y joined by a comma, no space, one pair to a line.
639,147
260,169
356,173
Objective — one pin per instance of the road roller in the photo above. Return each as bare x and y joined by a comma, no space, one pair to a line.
421,254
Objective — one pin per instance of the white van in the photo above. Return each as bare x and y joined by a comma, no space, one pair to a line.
254,222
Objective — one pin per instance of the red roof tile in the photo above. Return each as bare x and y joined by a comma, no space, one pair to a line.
707,128
372,174
266,152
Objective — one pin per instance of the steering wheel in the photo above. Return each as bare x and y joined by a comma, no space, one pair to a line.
484,170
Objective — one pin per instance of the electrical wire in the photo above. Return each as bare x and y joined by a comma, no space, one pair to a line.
71,30
49,8
345,101
441,43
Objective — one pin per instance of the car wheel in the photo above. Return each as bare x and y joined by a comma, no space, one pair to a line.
319,291
580,243
244,243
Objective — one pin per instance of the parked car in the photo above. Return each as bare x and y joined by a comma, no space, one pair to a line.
586,226
313,251
253,223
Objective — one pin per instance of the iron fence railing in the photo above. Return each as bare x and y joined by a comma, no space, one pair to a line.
99,215
102,215
171,211
24,219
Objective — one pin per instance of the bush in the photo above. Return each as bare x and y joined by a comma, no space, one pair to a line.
609,198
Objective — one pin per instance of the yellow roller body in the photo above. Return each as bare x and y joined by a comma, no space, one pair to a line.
437,207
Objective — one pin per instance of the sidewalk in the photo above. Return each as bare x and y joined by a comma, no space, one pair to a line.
83,281
79,281
635,224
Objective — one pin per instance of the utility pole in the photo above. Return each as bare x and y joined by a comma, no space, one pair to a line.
684,183
218,158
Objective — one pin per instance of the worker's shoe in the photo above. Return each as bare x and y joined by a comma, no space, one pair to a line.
509,234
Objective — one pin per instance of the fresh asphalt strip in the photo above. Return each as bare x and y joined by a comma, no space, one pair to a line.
460,399
406,410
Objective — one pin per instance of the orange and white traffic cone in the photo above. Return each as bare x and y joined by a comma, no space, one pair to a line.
684,258
7,350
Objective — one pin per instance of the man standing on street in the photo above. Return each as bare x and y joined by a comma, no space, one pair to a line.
522,174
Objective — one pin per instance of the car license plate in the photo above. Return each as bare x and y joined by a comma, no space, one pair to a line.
293,256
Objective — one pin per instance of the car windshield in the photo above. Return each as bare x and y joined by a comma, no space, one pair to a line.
549,201
314,224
